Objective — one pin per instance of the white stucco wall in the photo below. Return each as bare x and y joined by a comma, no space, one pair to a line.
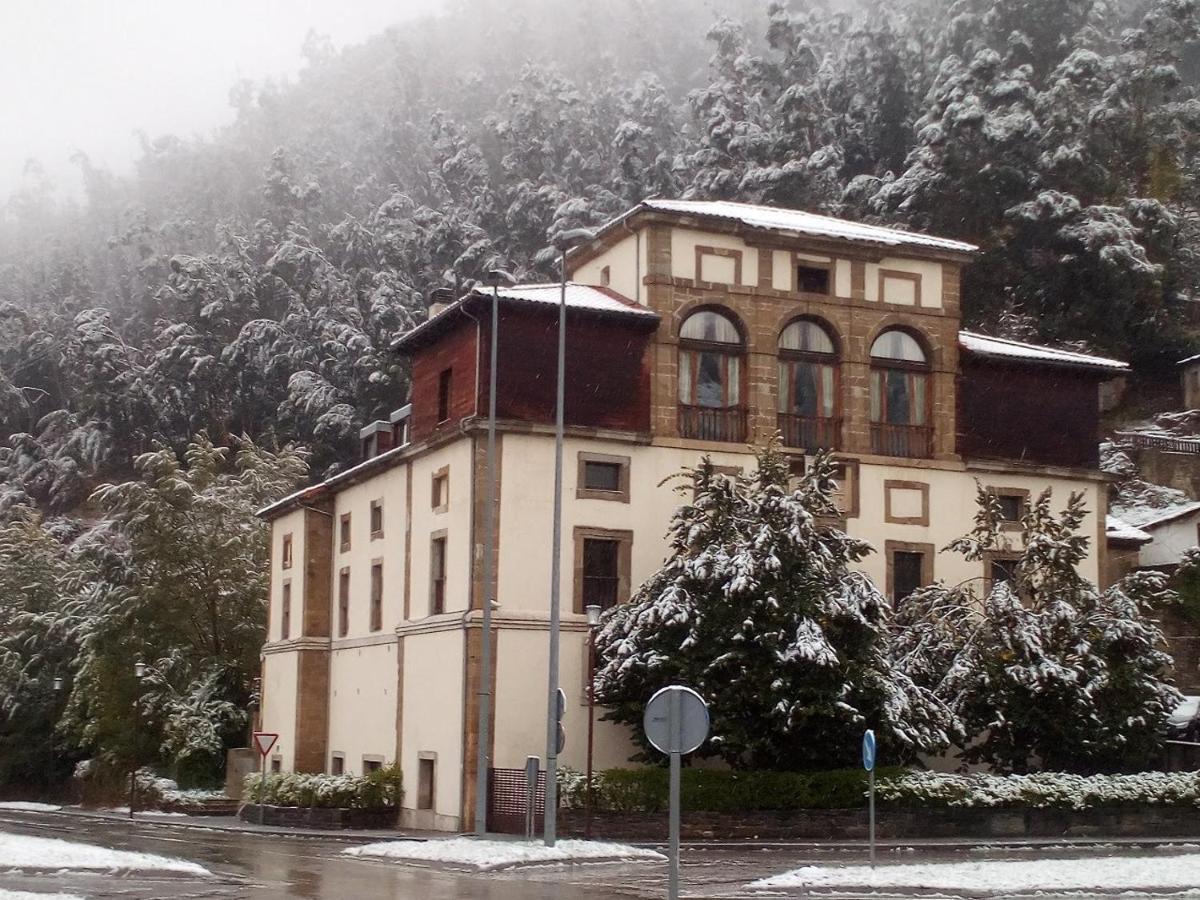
433,715
930,272
626,261
389,488
362,703
1171,540
279,704
683,252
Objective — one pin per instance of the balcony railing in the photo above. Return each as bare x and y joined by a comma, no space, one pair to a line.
901,440
810,432
707,423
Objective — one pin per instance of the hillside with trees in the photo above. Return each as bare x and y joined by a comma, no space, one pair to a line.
248,286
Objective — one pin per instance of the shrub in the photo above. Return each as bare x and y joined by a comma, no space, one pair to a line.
708,790
1043,790
381,789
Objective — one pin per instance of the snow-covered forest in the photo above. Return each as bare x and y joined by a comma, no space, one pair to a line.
250,283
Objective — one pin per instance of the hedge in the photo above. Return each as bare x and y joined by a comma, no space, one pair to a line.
720,791
1042,790
381,789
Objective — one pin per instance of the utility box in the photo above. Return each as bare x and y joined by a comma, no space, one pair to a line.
239,762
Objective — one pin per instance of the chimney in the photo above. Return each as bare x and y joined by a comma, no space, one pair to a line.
439,299
376,438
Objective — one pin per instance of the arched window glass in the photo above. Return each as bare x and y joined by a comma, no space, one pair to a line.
899,396
808,387
710,378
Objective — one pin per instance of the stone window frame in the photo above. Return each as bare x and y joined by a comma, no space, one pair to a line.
920,486
1023,495
890,548
727,253
994,556
901,275
343,601
285,610
376,506
799,260
340,756
427,756
371,759
439,490
375,620
440,535
624,539
583,492
345,532
286,551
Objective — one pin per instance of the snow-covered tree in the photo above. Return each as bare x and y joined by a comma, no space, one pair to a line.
757,609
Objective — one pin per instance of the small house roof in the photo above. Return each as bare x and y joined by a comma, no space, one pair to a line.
1120,531
1019,351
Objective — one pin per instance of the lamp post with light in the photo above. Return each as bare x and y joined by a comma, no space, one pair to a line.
57,686
593,622
139,672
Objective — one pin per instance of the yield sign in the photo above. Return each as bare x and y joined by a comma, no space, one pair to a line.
264,741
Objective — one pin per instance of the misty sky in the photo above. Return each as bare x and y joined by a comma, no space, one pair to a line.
86,74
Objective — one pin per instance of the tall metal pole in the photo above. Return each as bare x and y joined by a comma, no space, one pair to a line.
675,725
489,544
591,728
551,811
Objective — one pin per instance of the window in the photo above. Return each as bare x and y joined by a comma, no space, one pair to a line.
276,765
603,477
371,764
605,276
344,602
344,532
437,576
285,616
376,519
286,555
812,279
602,560
899,396
808,387
909,566
440,490
710,357
444,395
1012,503
425,781
337,764
1003,570
377,595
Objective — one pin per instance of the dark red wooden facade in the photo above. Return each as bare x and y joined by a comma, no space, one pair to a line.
1031,413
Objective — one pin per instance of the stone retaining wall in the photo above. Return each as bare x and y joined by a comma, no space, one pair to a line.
897,823
315,817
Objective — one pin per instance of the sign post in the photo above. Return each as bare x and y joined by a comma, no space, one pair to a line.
676,722
263,742
868,757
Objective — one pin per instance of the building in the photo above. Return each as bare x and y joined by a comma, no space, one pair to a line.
693,328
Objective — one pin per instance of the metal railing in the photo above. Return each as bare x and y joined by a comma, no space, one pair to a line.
901,440
707,423
1160,442
810,432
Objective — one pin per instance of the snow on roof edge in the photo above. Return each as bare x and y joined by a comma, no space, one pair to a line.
986,345
1117,529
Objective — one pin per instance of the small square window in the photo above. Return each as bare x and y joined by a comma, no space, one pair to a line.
1010,507
812,279
444,395
602,476
276,766
376,519
372,765
439,494
344,532
286,555
337,765
1012,503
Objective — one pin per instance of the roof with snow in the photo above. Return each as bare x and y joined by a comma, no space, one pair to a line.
582,298
314,492
1117,529
1148,518
1018,351
771,218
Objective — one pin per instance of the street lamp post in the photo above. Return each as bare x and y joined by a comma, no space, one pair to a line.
593,621
57,686
139,672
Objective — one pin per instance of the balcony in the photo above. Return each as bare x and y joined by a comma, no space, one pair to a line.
706,423
914,441
810,432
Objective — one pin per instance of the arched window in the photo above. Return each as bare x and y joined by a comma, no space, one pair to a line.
808,387
899,396
710,378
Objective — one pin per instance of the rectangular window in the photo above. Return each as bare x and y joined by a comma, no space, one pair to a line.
376,519
444,395
605,276
602,477
439,494
276,765
337,765
812,279
371,765
1002,571
1012,502
286,555
344,602
601,575
437,576
425,782
909,566
344,532
376,596
285,616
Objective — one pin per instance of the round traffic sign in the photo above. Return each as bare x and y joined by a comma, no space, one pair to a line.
676,720
868,750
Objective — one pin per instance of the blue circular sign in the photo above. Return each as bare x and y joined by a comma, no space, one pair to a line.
868,750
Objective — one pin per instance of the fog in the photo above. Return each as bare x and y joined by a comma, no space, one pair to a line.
87,75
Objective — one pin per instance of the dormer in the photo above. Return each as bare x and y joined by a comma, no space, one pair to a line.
375,438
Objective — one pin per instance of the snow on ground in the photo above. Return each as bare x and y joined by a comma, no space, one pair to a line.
22,806
1110,875
124,811
486,856
21,852
25,895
